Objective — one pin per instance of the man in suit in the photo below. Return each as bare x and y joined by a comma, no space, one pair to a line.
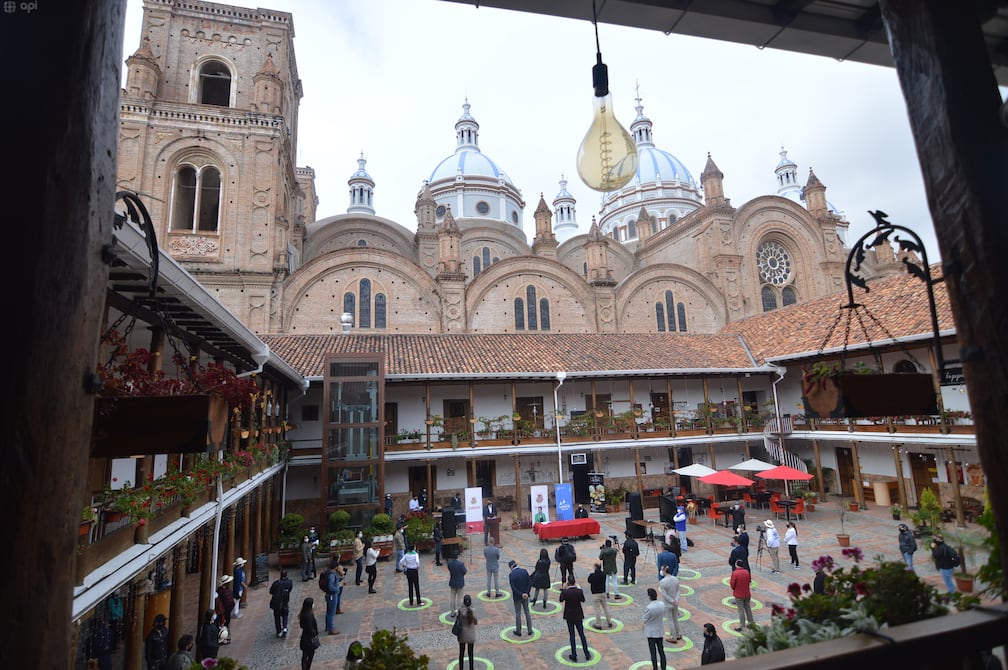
521,584
489,512
580,512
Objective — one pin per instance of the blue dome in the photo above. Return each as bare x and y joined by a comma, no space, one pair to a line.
468,163
653,163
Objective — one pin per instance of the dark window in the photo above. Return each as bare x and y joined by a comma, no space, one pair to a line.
670,311
349,303
530,298
544,315
196,198
361,243
309,412
185,198
632,230
904,366
440,211
482,208
769,299
519,308
660,316
788,296
476,265
215,84
682,317
486,257
365,304
514,217
209,200
379,310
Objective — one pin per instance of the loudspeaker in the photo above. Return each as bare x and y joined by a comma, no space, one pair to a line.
634,530
636,509
448,522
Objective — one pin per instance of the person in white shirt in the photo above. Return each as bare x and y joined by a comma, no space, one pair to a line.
414,504
410,564
654,615
371,566
669,585
773,544
791,540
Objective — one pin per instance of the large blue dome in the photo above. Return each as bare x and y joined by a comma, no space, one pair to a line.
653,164
468,163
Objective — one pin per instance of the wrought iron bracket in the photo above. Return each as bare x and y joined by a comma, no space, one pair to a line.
886,232
136,211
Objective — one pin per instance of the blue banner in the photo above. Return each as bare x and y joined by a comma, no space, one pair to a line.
564,501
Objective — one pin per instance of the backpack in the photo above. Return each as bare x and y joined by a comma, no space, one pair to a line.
281,597
323,581
954,556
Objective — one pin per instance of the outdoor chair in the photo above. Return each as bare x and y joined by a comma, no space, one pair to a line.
799,509
776,509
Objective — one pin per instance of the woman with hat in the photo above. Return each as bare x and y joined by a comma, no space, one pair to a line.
239,584
225,600
773,545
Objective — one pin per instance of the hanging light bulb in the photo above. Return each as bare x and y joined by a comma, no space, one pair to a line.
607,157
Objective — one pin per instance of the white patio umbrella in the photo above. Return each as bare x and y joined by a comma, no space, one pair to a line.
695,470
752,465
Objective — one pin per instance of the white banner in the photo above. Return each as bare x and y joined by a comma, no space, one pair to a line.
540,503
474,509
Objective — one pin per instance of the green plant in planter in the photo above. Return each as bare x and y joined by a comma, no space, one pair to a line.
382,523
389,650
419,527
338,520
929,511
897,510
88,514
292,530
991,573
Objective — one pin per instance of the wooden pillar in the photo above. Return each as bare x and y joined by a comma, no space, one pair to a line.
207,579
472,472
858,488
707,415
430,487
743,422
956,493
268,514
246,522
900,483
134,633
257,524
640,480
710,450
176,611
820,482
953,105
227,561
517,473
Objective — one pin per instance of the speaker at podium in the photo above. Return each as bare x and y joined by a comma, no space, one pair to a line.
448,522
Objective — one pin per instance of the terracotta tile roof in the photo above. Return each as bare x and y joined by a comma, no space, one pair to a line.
517,354
898,304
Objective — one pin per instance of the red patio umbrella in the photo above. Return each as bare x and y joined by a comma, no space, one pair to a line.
726,478
786,473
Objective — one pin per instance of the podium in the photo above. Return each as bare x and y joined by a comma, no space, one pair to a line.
493,529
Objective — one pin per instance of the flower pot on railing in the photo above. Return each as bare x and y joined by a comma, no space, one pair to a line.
854,395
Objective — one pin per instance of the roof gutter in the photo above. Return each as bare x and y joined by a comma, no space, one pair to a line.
860,347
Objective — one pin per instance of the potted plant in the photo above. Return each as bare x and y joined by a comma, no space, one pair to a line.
897,511
810,500
88,517
964,540
853,505
832,391
292,531
691,512
380,533
927,519
616,497
842,537
420,530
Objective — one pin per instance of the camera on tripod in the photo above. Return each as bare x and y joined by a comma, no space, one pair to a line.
760,529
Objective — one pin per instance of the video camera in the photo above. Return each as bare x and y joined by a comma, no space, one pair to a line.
760,529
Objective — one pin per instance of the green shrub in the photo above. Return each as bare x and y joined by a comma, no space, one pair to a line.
292,530
382,524
338,520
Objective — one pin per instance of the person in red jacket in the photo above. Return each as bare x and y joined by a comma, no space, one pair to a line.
740,580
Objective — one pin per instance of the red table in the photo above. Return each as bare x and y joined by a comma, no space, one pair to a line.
570,528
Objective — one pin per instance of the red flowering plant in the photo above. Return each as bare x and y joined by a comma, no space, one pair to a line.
855,599
139,503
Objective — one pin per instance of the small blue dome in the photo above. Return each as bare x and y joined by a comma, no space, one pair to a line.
468,163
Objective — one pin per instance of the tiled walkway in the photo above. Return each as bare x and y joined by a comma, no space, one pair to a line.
704,576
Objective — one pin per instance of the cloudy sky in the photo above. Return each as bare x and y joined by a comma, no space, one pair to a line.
388,78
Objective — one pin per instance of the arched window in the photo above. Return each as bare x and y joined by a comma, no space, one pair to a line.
349,302
682,317
196,199
769,299
365,304
519,308
361,243
632,230
788,296
670,311
215,84
544,315
379,310
904,366
486,257
660,316
530,298
476,265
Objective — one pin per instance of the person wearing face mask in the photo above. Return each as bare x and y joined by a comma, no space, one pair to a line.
713,649
907,545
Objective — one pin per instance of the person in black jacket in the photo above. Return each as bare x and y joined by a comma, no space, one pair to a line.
565,555
713,649
309,633
156,644
208,640
541,578
631,550
738,553
280,602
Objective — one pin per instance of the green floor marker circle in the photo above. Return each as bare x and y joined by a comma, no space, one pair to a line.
551,608
476,659
405,606
692,574
686,645
561,655
727,582
622,602
684,614
505,595
507,634
617,626
753,603
686,590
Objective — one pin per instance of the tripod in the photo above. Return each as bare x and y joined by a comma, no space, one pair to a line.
759,549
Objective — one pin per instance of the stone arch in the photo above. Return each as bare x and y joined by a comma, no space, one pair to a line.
343,231
707,311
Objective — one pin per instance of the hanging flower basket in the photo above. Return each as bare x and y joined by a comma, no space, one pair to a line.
133,425
854,395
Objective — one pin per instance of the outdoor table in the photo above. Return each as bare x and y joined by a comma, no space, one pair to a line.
787,505
569,528
763,498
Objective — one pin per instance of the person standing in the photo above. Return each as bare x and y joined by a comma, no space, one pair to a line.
581,512
410,564
239,585
340,571
456,582
597,586
738,553
773,545
669,585
208,640
565,555
631,550
737,516
680,527
225,601
156,644
607,554
331,591
309,633
907,545
457,503
945,560
371,555
358,556
388,504
654,615
819,582
666,558
489,512
182,659
399,547
713,649
423,500
740,582
438,543
791,540
491,553
307,559
573,614
541,578
521,584
467,636
280,602
743,537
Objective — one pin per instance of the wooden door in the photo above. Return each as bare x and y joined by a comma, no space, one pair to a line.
845,470
923,472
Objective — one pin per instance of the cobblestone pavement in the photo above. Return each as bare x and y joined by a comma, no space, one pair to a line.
704,577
